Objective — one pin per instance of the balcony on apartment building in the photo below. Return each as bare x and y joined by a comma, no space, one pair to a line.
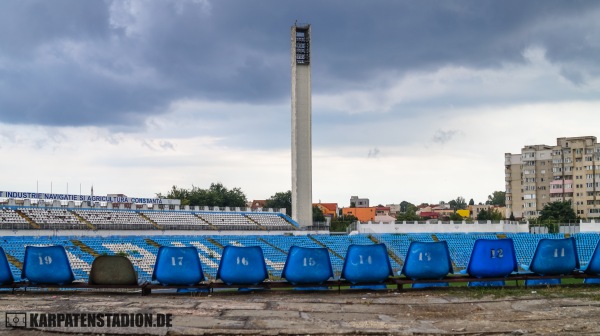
561,186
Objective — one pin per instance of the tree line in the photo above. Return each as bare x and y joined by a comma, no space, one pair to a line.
408,211
218,195
215,195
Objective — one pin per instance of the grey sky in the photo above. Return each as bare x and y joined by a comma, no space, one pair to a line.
386,75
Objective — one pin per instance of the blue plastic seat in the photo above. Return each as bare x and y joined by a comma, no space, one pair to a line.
177,266
366,264
593,267
553,257
6,276
492,258
242,265
305,265
47,265
427,261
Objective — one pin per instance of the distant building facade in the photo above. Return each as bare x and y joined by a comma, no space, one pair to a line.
540,174
257,204
370,214
476,209
356,202
362,214
394,209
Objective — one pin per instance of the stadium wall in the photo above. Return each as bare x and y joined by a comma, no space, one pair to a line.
591,225
442,227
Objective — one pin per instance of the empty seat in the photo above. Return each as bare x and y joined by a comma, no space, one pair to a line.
427,261
366,264
242,265
47,265
492,258
6,276
593,267
553,257
112,270
306,265
177,266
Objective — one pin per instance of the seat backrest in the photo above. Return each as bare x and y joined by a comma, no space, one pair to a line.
112,270
555,256
492,258
242,265
305,265
427,260
593,267
367,264
6,276
177,266
47,265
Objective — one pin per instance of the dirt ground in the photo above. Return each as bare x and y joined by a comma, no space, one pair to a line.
458,311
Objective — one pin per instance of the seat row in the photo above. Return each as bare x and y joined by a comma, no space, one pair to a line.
426,264
50,218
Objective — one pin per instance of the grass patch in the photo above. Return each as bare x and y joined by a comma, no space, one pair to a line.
574,291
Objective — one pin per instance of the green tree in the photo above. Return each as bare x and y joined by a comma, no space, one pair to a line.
483,215
497,198
404,206
317,214
496,215
471,202
340,223
490,214
455,217
558,212
409,214
281,200
218,195
458,203
176,193
215,195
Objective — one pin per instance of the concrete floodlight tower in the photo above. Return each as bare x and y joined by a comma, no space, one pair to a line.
301,126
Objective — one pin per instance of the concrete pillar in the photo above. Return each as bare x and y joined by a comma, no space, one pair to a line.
301,126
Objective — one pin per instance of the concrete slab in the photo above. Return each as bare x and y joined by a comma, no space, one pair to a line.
453,312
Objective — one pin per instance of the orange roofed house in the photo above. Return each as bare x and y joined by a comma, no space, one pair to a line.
329,209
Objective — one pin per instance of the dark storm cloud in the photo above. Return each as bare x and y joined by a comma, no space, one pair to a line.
114,63
29,24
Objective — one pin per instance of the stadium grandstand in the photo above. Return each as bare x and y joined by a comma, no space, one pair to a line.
50,218
89,231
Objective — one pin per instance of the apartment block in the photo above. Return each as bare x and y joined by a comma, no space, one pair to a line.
568,171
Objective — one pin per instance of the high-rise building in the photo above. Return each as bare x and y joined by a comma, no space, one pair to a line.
540,174
301,126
